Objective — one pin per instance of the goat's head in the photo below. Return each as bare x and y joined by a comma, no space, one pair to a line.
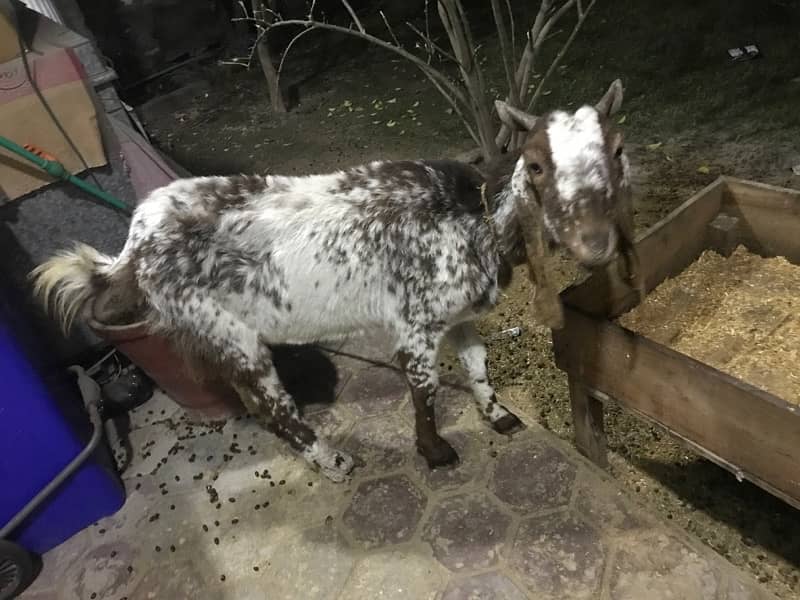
573,172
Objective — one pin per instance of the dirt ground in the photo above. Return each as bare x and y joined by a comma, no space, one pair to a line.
690,115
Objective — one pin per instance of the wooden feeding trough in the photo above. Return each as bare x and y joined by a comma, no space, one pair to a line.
750,432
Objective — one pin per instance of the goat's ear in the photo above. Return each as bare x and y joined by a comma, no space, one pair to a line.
611,102
514,118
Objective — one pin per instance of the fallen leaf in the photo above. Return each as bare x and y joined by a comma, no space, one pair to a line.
622,119
391,101
704,169
449,111
796,169
416,104
391,123
653,147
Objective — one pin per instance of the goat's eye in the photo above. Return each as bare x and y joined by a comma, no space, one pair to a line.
618,152
535,168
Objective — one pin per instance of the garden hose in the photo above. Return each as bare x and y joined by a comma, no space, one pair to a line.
56,170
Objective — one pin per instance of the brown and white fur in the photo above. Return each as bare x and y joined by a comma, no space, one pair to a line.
228,266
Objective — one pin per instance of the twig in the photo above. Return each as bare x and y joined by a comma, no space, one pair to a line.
427,24
513,29
557,60
289,47
507,54
353,16
421,64
456,109
431,44
311,10
391,32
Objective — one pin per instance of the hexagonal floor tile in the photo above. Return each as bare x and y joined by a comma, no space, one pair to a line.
64,559
532,476
455,407
381,444
486,586
312,564
654,565
183,579
605,507
384,511
466,531
394,576
374,391
472,463
109,570
734,589
559,556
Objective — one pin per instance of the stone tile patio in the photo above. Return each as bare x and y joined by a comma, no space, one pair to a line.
225,511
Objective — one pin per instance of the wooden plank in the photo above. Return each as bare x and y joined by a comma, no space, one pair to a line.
664,250
699,450
769,217
587,418
753,430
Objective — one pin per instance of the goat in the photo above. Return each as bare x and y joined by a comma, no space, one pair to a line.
227,266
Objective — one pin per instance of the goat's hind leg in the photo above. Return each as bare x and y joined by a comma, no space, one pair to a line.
246,361
471,350
263,395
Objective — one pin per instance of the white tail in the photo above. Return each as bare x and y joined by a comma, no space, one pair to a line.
66,282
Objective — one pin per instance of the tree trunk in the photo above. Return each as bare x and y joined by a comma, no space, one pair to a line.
265,58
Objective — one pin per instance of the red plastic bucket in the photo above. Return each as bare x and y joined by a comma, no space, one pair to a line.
156,356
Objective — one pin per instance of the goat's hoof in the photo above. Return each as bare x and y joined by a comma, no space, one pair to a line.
440,454
508,424
336,466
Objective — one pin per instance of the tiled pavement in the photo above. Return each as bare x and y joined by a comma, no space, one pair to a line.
224,511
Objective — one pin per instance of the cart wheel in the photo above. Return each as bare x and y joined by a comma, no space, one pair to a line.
16,569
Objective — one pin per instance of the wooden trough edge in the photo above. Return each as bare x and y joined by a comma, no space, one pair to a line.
741,428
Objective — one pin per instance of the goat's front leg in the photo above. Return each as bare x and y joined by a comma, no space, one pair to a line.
471,350
419,365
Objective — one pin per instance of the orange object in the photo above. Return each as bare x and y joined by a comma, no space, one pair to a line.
39,152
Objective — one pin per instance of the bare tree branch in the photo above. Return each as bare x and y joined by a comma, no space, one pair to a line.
353,16
557,60
289,47
513,29
389,28
468,97
430,44
505,51
421,64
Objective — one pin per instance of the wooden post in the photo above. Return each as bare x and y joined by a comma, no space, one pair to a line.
723,234
587,417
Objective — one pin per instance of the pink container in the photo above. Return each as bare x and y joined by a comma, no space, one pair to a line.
155,355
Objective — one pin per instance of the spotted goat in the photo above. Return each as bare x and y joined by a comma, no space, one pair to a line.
229,266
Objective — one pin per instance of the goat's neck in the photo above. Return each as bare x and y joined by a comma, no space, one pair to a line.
504,220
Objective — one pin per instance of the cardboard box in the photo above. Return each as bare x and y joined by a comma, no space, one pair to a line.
61,78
